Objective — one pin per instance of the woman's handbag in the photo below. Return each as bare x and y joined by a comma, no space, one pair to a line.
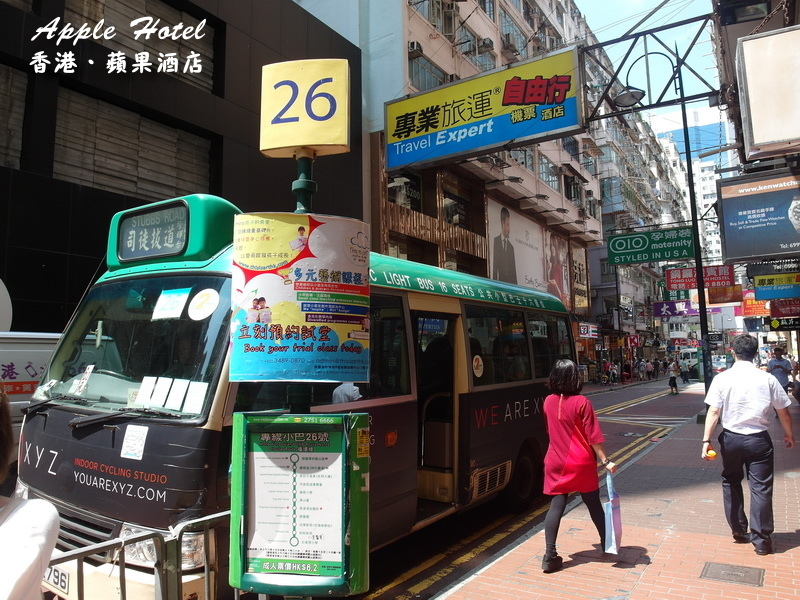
611,509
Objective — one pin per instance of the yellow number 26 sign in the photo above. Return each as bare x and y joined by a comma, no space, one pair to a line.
305,104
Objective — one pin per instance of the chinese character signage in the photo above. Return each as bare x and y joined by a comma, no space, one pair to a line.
770,287
300,298
678,309
651,246
754,308
725,295
784,307
713,276
535,100
783,324
759,217
153,233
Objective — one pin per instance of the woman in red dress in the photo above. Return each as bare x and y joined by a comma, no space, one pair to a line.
576,443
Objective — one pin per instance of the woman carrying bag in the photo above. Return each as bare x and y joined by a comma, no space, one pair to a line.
570,465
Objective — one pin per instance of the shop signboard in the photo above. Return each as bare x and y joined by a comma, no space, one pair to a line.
651,246
531,101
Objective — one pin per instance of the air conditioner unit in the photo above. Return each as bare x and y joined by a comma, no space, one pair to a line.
485,45
452,77
559,170
414,49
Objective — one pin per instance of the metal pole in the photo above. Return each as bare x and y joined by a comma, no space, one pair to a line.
299,396
698,251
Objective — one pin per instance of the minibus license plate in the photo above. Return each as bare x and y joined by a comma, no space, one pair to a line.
57,578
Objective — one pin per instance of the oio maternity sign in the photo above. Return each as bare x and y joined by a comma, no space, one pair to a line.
651,246
299,504
300,298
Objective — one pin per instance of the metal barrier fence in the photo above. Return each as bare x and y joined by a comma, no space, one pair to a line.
168,570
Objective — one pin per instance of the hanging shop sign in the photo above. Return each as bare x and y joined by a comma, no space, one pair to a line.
532,101
713,276
651,246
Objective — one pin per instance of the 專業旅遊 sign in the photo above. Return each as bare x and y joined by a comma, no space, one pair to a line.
537,99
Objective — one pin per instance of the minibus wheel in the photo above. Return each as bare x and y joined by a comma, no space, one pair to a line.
526,481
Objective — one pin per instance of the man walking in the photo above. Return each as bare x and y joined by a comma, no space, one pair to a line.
685,370
745,397
780,368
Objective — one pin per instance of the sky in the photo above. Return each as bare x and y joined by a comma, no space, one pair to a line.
612,19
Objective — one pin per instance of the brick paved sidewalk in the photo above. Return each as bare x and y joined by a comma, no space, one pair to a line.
672,526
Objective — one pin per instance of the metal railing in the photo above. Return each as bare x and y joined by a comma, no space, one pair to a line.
168,570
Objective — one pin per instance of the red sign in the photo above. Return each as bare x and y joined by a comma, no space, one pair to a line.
754,308
633,341
725,295
713,276
784,307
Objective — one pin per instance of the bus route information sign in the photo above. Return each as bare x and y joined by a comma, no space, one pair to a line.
299,504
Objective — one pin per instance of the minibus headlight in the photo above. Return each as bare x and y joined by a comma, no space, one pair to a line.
143,553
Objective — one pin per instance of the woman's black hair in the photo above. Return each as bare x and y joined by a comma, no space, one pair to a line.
565,378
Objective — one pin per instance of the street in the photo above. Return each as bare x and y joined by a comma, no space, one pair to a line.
434,559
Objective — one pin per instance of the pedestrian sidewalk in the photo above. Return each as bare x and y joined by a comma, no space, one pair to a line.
675,544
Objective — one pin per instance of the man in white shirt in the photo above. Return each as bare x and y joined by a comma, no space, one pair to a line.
743,398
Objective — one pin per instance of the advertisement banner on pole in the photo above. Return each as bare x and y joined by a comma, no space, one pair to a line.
300,298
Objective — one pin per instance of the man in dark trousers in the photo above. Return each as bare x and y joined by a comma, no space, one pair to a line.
504,265
745,397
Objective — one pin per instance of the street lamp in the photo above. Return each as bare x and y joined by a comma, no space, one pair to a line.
628,98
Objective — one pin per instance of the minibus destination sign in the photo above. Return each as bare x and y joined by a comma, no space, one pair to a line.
153,232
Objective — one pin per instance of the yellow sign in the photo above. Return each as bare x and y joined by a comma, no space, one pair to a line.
539,99
305,104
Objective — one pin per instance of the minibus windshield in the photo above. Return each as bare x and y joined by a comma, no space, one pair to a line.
152,343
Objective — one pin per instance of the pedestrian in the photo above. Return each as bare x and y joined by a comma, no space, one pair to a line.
28,528
576,444
656,368
745,397
684,364
780,367
649,368
643,370
674,371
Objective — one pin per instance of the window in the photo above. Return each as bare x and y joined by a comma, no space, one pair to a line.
456,210
439,13
424,75
487,6
513,33
547,172
498,345
550,339
467,44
